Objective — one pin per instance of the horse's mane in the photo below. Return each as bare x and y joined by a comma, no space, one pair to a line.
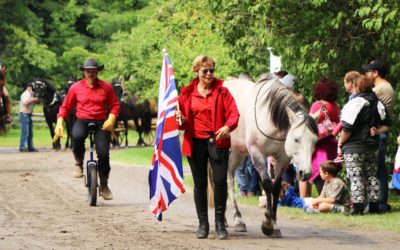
278,98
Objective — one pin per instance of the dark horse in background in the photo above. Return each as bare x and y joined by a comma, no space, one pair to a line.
51,101
131,109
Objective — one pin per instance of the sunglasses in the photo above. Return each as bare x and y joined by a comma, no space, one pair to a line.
204,71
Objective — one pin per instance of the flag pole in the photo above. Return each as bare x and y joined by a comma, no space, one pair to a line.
177,103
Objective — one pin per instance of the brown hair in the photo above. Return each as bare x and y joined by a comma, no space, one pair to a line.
364,83
331,168
202,61
302,100
352,76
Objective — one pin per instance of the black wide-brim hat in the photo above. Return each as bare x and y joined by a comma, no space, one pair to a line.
91,63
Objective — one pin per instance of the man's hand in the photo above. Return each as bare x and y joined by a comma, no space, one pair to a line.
59,130
109,123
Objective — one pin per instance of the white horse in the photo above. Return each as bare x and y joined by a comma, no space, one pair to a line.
272,123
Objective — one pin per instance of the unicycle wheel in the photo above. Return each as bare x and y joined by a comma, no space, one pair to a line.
92,184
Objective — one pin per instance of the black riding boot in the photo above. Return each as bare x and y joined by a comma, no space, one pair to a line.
200,200
358,209
220,197
373,208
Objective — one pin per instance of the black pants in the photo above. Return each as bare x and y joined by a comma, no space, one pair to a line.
80,132
198,165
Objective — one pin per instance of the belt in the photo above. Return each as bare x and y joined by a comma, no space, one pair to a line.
30,114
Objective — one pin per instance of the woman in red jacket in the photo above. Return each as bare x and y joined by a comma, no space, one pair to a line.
207,112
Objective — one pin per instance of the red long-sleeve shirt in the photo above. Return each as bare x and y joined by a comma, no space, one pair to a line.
92,103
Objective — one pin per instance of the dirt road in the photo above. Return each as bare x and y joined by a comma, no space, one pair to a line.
44,207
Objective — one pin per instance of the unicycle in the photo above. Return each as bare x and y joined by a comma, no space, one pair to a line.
91,169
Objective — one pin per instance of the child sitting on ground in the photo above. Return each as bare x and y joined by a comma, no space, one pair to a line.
334,197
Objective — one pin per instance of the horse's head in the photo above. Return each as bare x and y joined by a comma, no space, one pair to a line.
300,142
39,88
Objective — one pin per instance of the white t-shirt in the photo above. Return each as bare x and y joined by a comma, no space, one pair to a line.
26,108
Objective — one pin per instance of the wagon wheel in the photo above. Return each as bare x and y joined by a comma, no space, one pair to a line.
119,134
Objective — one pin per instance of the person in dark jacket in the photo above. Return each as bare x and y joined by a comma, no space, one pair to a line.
364,118
207,113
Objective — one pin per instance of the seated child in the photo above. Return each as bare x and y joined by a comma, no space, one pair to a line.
335,196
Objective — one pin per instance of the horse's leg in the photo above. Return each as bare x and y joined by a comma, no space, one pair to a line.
281,165
234,160
139,130
56,144
259,161
126,132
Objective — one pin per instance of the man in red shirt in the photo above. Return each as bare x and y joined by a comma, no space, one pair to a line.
93,99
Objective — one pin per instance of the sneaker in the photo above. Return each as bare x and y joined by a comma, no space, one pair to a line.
310,210
77,172
33,150
105,192
22,150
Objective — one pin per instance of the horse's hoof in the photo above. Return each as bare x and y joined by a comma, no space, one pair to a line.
268,231
240,227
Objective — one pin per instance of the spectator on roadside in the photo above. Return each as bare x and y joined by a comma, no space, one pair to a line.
26,104
325,92
349,82
383,89
363,118
335,197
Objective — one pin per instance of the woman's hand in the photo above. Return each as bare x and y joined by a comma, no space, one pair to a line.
398,139
222,133
180,118
373,131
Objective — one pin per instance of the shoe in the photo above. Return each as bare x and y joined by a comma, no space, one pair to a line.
310,210
243,193
203,230
22,150
33,150
105,192
77,172
251,194
221,230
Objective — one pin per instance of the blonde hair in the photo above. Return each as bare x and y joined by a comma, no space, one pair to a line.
202,61
352,76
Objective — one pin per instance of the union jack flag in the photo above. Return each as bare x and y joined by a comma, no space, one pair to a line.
166,174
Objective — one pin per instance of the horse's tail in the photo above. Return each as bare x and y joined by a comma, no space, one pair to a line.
210,186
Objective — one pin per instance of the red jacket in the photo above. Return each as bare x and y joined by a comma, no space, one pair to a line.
224,112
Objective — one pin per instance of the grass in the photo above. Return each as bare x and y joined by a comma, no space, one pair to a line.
41,137
143,155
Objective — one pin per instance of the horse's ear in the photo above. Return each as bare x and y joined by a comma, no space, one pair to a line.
316,115
292,115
